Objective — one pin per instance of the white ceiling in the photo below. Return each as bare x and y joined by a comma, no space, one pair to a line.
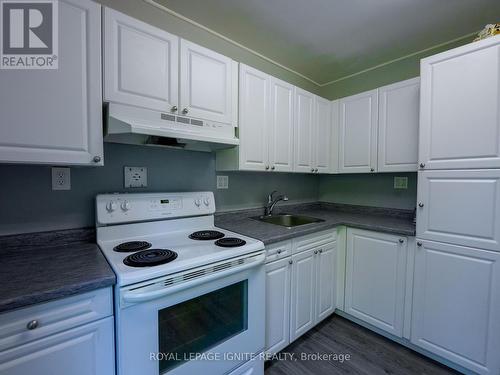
329,39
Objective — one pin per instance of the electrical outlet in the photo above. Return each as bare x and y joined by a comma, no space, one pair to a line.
61,179
135,177
400,182
222,182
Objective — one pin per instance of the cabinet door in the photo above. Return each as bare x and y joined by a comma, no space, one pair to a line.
460,99
86,350
302,316
326,264
254,118
281,126
358,133
456,305
322,135
206,83
55,116
277,305
375,279
399,106
304,120
460,207
335,141
140,63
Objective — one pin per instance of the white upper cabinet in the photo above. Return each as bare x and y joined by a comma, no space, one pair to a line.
281,126
334,140
456,305
399,105
460,106
254,118
140,63
375,279
322,136
208,83
358,133
55,116
460,207
304,122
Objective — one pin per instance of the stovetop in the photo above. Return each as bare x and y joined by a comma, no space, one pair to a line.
170,235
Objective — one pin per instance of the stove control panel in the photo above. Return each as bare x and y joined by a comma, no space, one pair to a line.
127,208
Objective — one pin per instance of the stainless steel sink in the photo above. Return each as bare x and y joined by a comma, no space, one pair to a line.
287,220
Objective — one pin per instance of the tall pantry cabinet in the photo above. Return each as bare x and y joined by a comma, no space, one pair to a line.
456,300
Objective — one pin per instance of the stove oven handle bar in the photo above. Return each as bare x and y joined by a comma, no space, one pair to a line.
135,296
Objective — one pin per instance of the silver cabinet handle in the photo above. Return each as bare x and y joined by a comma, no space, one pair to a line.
173,109
290,261
419,244
32,325
315,251
320,251
312,170
422,165
401,240
420,204
96,159
185,111
267,167
316,170
372,169
273,167
279,251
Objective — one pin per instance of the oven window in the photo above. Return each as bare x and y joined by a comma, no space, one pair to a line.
201,323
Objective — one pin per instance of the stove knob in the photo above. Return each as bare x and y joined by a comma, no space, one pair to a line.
206,201
197,202
125,205
111,206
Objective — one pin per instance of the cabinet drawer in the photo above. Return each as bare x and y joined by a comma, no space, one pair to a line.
313,240
278,250
53,317
460,207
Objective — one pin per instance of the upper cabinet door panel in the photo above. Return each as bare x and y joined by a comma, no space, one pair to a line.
254,118
460,107
323,136
55,116
206,83
358,132
281,127
460,207
334,142
398,126
140,63
304,122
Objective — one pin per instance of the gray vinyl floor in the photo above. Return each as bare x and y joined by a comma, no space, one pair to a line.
370,353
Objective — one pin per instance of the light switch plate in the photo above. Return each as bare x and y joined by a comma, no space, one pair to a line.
222,182
135,177
61,179
400,182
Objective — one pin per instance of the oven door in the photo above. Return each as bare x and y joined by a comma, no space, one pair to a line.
203,321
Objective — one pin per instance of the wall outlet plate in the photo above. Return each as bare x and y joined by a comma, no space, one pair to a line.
135,177
222,182
61,179
400,182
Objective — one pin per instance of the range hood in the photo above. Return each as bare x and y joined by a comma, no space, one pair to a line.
133,125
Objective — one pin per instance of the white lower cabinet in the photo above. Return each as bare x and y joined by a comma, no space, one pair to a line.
456,304
300,289
74,335
375,278
278,305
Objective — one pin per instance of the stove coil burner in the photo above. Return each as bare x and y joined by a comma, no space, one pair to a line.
206,235
148,258
230,242
128,247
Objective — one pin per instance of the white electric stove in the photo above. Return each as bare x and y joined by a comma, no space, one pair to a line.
190,296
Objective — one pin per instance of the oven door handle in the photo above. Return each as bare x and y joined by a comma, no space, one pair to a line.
136,296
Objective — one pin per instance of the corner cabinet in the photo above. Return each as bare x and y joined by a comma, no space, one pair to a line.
58,120
376,266
358,133
460,106
456,305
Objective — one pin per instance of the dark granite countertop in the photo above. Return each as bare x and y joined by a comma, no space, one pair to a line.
45,266
371,218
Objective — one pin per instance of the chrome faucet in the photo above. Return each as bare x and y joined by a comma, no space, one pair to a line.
271,202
